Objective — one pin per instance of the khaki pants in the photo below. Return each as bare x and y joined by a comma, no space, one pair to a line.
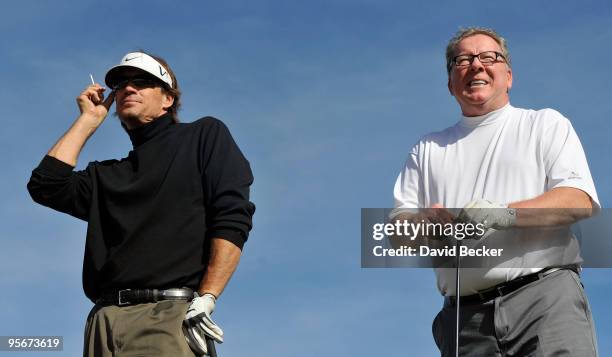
152,329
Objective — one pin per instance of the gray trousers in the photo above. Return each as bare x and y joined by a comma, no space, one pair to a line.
549,317
152,329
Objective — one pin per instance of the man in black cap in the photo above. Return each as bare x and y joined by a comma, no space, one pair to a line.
166,224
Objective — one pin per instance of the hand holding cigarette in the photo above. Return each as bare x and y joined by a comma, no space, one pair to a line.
92,102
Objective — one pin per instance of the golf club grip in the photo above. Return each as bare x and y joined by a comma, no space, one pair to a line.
210,345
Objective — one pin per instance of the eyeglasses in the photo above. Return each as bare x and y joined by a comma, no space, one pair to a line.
136,82
487,58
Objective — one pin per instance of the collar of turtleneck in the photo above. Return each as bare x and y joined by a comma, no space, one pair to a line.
489,118
148,131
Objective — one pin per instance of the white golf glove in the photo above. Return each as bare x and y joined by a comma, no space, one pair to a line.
489,214
198,324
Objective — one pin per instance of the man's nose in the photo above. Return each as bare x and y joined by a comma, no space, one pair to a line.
476,65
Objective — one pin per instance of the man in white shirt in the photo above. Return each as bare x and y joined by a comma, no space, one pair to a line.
505,159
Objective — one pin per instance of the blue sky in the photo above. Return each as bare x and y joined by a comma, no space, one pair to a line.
325,98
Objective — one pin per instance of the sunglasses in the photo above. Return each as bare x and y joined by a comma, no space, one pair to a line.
136,82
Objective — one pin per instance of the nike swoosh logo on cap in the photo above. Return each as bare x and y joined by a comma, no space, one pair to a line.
129,59
161,73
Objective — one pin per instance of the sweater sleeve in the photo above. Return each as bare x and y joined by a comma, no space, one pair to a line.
227,178
56,185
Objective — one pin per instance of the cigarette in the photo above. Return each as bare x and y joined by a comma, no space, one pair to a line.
92,80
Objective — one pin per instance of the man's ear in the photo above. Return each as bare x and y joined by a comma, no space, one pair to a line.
167,101
450,87
509,79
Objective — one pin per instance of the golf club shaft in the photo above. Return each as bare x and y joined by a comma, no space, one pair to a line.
457,298
210,344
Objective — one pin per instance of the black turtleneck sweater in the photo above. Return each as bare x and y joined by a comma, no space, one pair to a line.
151,215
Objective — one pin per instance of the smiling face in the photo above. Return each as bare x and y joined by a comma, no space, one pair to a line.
139,105
477,88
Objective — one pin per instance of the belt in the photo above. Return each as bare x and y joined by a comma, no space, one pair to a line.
141,296
508,287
